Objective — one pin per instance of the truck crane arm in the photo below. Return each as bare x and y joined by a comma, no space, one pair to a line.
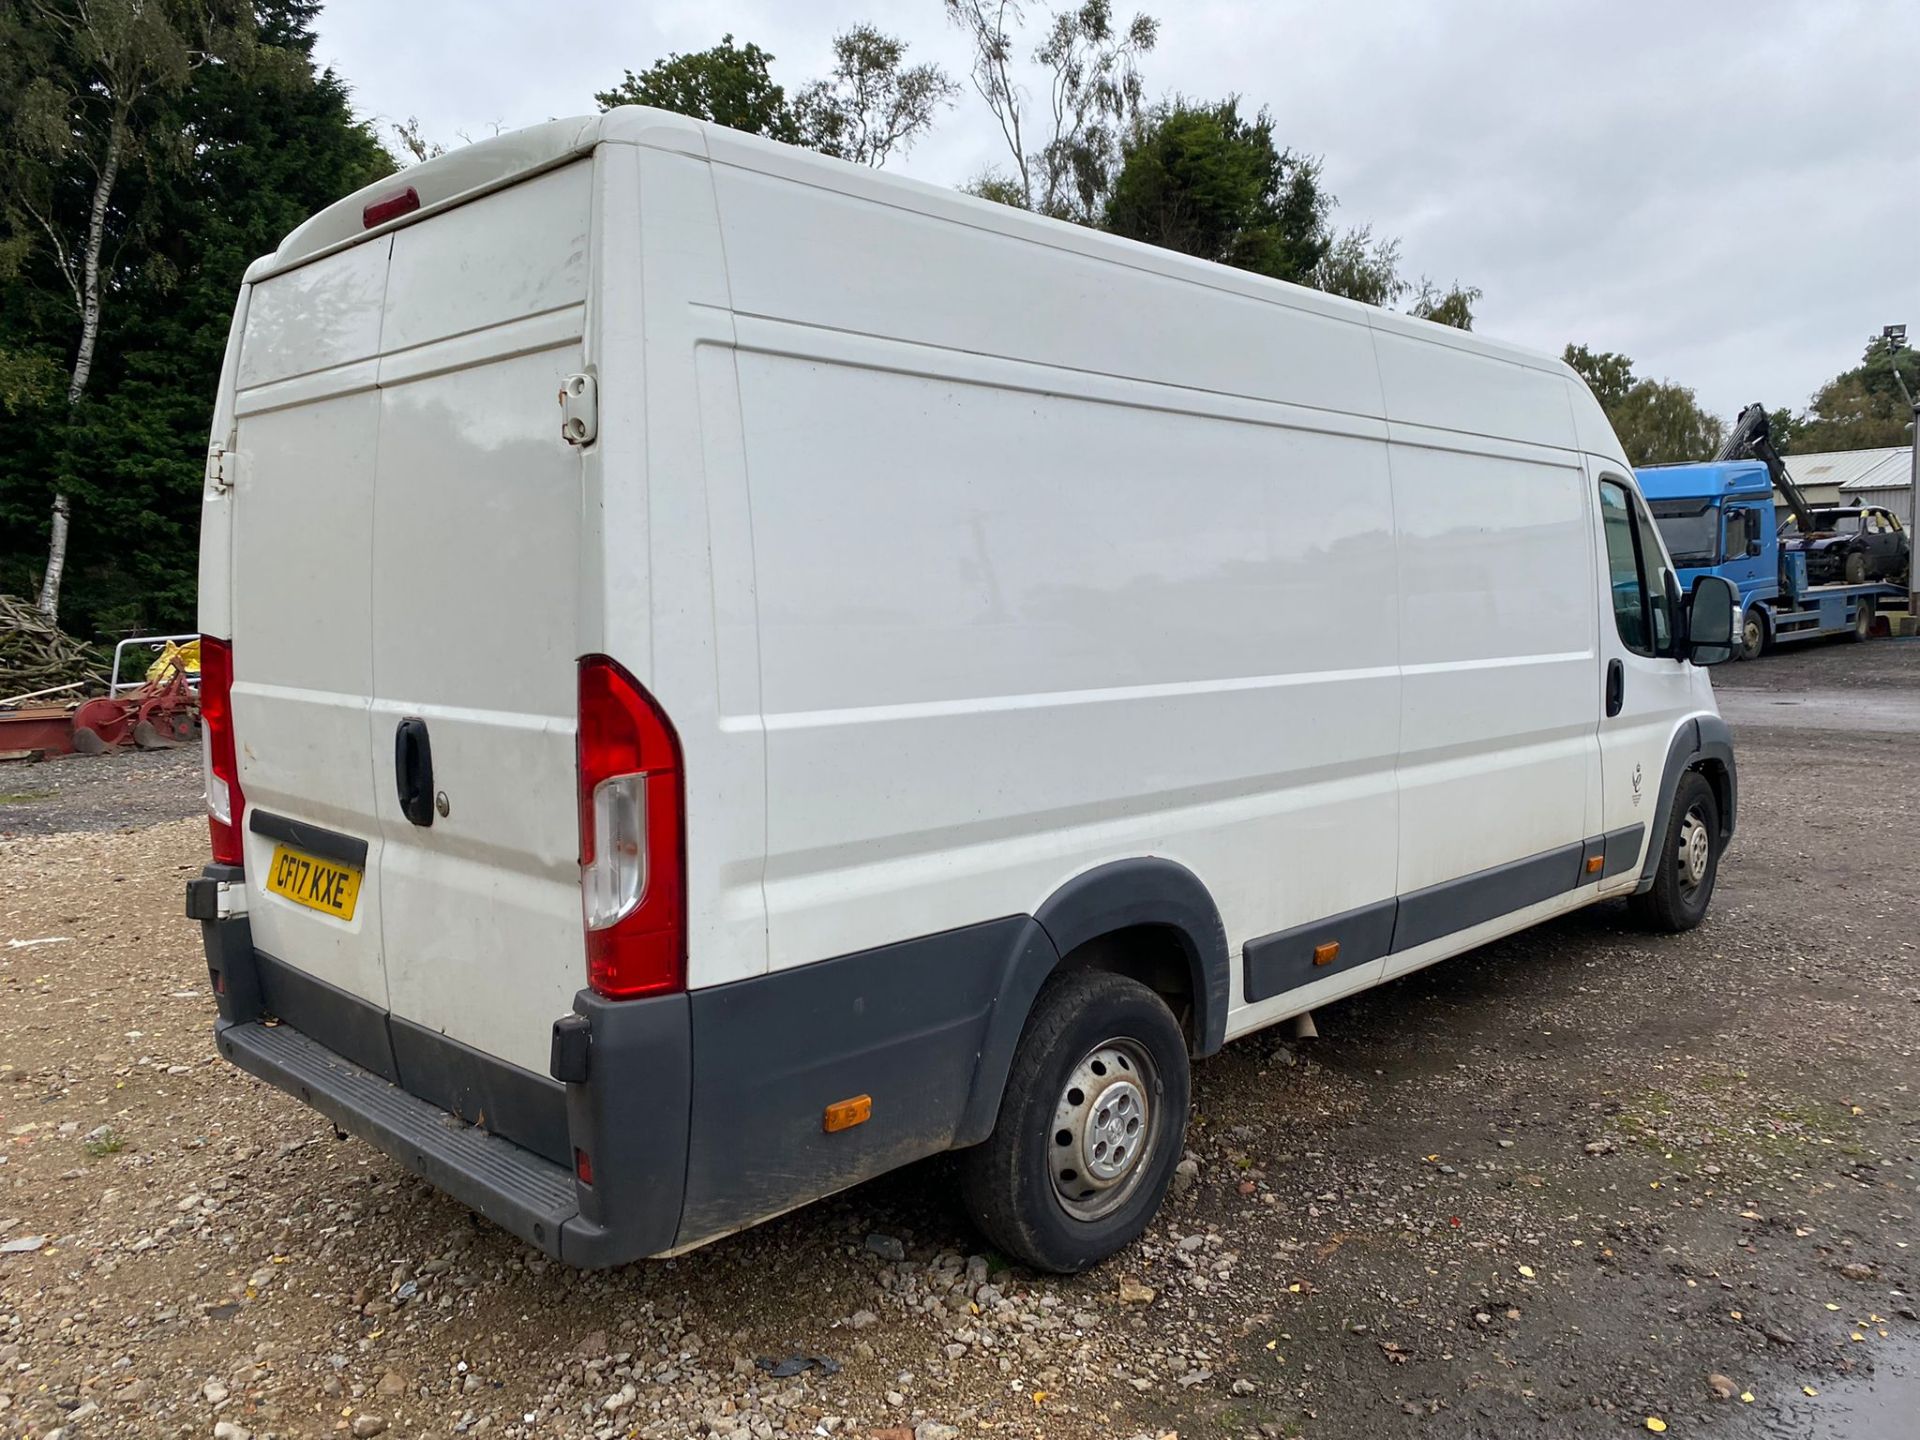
1753,435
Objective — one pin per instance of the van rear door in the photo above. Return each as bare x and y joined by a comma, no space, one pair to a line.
307,419
476,558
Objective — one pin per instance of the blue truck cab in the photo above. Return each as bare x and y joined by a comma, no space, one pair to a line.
1717,518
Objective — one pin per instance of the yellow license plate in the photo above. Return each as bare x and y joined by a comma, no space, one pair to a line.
323,885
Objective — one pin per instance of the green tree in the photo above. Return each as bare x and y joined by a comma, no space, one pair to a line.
1361,268
729,85
1065,157
1608,373
1859,409
1207,181
1657,421
25,380
874,102
86,100
257,144
1452,306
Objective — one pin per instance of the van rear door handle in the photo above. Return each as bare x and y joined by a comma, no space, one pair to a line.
1616,687
413,771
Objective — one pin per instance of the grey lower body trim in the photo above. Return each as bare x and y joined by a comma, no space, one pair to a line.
1620,849
1284,961
699,1113
907,1024
516,1104
1455,905
1274,964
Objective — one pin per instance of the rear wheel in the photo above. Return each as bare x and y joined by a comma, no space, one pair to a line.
1090,1127
1862,622
1753,634
1687,862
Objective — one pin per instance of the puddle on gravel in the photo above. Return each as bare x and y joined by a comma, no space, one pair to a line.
1880,1406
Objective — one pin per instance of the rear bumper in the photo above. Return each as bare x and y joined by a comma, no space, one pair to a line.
701,1113
378,1078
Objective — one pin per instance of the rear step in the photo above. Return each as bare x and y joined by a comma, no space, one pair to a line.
516,1189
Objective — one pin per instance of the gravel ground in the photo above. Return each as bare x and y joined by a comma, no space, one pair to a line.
1571,1183
99,792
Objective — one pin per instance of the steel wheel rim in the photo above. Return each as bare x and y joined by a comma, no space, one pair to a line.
1695,850
1753,633
1105,1125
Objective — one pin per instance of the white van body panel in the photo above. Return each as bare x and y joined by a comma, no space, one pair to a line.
306,436
968,553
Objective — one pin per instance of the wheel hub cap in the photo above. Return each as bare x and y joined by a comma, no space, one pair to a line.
1103,1129
1696,848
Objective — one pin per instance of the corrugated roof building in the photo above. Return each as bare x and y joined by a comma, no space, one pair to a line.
1854,477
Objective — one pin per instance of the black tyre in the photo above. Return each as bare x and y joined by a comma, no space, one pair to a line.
1862,622
1687,862
1753,634
1090,1129
1856,568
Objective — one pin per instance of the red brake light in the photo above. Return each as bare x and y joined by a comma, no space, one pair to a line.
393,207
226,806
632,837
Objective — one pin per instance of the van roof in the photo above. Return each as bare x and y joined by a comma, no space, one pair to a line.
472,170
1703,480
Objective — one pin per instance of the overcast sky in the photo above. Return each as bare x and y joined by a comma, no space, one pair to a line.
1727,192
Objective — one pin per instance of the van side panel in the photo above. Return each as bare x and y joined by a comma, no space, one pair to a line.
1496,618
827,258
1019,619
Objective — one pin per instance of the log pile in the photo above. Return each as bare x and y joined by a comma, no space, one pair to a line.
36,656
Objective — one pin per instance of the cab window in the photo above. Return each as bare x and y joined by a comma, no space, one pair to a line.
1635,574
1740,533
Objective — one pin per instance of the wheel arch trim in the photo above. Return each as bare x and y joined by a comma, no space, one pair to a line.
1151,891
1704,743
1119,895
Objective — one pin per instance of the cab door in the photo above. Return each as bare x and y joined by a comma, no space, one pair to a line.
1644,691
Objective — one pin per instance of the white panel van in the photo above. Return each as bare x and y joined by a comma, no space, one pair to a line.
727,673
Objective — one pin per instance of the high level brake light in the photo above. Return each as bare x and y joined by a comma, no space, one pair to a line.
226,806
378,212
632,837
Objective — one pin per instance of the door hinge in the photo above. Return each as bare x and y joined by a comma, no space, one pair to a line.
579,409
219,474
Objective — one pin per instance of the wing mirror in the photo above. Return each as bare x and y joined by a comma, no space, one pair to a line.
1713,612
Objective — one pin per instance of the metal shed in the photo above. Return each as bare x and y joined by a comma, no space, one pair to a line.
1853,477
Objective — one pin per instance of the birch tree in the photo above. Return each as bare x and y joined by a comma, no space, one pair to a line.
85,104
1065,147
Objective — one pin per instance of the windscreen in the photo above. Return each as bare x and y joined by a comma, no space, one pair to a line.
1691,529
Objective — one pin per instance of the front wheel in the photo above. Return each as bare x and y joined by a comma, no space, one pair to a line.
1856,568
1688,861
1091,1125
1753,634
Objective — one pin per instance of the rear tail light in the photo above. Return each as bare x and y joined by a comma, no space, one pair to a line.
632,837
226,806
